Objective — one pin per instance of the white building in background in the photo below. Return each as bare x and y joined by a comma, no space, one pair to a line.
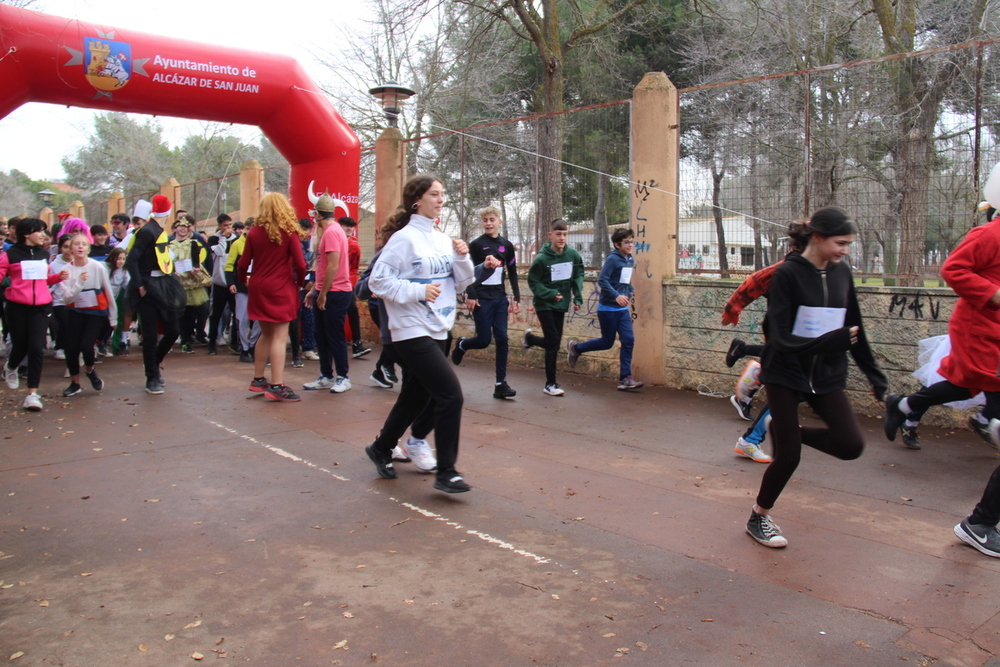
698,244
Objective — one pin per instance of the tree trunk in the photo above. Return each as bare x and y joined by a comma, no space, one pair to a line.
717,213
551,128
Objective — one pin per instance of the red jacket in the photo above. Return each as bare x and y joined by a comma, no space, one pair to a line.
28,292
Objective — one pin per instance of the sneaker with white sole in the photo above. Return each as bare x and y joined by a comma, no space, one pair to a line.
419,452
340,385
993,434
72,390
451,482
572,355
765,531
553,389
743,409
398,455
319,383
378,377
748,382
32,402
629,382
390,374
984,538
311,355
95,380
10,377
525,344
60,355
751,451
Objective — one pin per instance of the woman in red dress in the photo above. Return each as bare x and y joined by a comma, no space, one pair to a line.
273,258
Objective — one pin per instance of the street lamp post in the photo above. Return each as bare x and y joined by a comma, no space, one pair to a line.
391,96
46,213
390,152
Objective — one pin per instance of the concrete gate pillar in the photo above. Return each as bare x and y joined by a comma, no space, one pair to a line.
390,175
171,189
251,188
78,210
655,181
116,204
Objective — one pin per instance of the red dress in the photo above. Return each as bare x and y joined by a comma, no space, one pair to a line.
973,271
278,273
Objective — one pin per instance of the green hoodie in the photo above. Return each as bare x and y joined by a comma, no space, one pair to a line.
545,289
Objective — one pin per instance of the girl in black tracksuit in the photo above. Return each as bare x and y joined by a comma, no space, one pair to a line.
805,358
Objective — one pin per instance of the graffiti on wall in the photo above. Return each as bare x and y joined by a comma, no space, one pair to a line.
918,306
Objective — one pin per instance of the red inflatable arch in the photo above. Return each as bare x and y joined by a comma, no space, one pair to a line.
46,58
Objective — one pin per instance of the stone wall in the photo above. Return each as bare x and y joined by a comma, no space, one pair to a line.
695,343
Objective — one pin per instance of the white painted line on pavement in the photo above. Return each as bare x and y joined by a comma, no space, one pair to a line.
485,537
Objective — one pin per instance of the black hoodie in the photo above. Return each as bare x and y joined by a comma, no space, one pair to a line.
814,365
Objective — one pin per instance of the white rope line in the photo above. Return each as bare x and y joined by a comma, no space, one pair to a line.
620,179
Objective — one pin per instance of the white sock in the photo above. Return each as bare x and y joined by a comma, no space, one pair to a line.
911,424
904,406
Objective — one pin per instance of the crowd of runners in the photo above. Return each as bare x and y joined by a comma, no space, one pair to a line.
273,281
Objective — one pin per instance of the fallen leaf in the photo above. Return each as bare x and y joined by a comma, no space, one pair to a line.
43,603
708,620
609,635
86,574
348,614
622,650
192,624
197,656
555,597
168,637
143,648
359,567
341,644
153,500
862,643
17,655
906,499
641,646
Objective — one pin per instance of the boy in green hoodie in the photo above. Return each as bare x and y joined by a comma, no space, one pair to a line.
555,278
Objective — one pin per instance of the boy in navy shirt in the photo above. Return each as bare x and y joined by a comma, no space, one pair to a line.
613,309
487,298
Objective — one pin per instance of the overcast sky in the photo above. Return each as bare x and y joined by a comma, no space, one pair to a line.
35,137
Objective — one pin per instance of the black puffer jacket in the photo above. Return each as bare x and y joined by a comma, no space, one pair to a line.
814,365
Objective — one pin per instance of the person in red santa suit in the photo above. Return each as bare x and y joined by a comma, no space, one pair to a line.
972,270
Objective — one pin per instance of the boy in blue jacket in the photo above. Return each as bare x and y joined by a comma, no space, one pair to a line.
613,309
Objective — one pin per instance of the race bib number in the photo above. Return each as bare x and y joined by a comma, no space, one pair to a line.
813,322
183,265
34,269
562,271
86,299
626,275
496,278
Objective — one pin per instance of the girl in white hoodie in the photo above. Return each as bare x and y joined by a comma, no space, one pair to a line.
417,275
90,307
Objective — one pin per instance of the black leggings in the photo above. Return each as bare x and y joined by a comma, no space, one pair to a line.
81,332
28,325
427,375
552,330
221,297
943,392
841,437
354,319
151,315
987,512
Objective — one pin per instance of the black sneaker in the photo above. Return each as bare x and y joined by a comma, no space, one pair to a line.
186,348
452,482
297,363
379,378
212,351
742,408
765,531
736,351
281,393
383,465
360,350
982,430
572,356
246,357
96,382
909,434
153,387
503,390
893,417
390,374
458,352
984,538
72,390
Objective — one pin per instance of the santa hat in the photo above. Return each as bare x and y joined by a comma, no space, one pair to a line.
142,209
161,206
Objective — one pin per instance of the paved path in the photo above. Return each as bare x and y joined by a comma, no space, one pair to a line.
603,528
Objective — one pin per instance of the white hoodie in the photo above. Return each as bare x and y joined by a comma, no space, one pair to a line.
417,255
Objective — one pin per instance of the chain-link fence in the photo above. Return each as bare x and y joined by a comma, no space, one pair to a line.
901,143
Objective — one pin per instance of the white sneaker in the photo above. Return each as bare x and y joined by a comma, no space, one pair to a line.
32,402
311,355
420,453
553,390
751,451
399,455
993,433
319,383
748,384
340,385
60,355
10,376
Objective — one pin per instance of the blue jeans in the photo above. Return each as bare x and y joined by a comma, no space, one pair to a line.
613,322
758,430
491,318
330,334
